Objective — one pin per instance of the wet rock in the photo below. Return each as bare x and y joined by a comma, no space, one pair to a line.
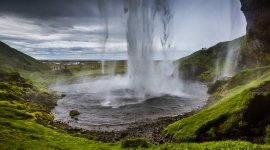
74,113
63,95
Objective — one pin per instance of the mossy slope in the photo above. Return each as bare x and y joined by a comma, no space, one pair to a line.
204,65
11,58
240,111
25,123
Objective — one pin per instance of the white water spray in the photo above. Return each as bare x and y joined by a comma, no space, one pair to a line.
104,19
140,29
142,94
232,47
141,81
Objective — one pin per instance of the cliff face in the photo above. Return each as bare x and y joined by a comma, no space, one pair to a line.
255,51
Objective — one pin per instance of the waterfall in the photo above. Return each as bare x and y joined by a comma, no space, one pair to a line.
142,81
231,60
232,48
139,34
140,44
104,20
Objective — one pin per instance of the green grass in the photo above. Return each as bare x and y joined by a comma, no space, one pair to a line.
25,102
205,65
225,118
73,74
232,145
19,128
25,134
26,125
10,58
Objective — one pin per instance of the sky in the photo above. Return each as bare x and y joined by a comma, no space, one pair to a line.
76,29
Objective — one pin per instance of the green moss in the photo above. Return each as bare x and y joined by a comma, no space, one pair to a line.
227,115
267,138
212,133
235,145
205,65
224,116
22,123
135,143
27,134
11,58
74,113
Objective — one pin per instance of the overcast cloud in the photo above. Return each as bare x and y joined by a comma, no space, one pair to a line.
73,29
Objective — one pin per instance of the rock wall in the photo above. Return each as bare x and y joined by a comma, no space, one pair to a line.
255,51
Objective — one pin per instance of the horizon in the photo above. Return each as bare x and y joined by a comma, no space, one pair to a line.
42,31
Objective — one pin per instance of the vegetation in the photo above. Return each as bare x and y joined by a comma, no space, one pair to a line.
11,58
74,113
136,143
26,124
205,65
236,111
239,105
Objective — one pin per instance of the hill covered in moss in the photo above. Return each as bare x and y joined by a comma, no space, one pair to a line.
11,58
205,65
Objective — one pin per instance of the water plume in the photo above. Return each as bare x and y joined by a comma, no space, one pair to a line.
141,81
148,90
232,47
104,19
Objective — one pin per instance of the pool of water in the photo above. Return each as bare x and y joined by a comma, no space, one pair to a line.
117,109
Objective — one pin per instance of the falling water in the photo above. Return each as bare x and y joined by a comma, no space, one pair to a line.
142,94
232,51
140,29
104,19
231,61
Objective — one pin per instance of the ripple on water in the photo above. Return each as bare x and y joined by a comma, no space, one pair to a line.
129,112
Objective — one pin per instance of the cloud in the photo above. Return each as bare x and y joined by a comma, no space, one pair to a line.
66,28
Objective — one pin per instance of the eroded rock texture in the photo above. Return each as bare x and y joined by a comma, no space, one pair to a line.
255,51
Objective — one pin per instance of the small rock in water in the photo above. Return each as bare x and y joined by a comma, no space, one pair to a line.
74,113
63,95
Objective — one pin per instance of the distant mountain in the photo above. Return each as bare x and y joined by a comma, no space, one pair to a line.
10,58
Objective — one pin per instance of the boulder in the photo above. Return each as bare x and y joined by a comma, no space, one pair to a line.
74,113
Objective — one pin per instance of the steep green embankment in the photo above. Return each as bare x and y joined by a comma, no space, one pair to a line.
241,111
204,65
11,58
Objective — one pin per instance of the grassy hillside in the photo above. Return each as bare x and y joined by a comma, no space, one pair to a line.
204,65
240,111
11,58
25,123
